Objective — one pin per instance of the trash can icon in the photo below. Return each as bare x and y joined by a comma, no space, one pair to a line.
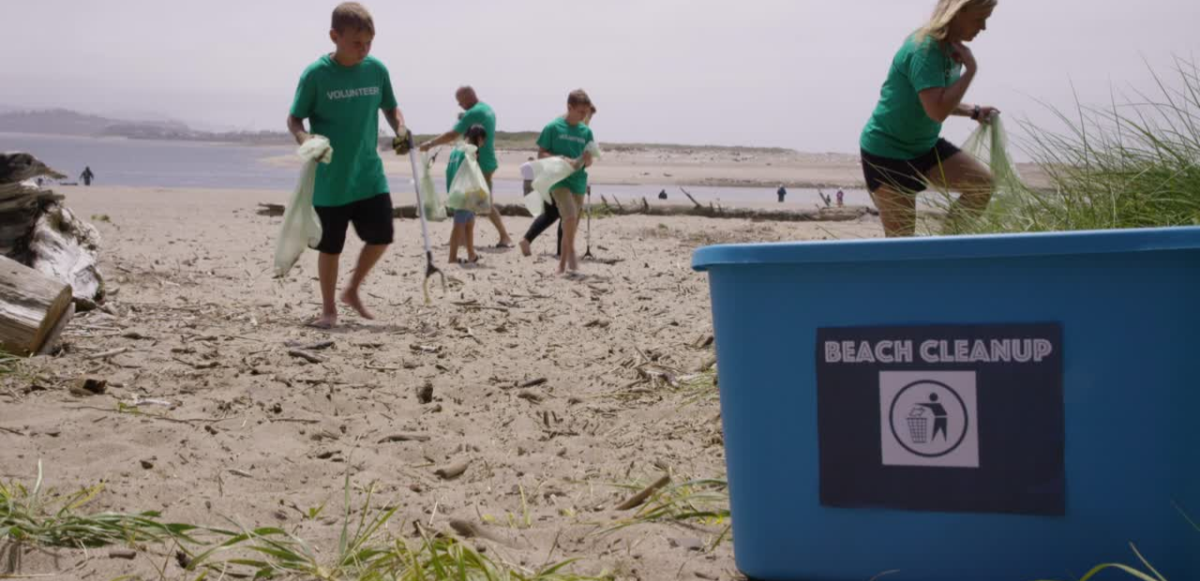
918,426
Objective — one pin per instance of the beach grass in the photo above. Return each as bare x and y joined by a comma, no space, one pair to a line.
35,516
1133,163
366,551
701,502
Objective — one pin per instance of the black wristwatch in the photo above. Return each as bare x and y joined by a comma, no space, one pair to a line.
975,113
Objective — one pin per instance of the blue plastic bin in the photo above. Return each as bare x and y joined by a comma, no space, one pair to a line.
1127,361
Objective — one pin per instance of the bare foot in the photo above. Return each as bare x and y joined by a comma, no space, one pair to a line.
326,322
525,249
350,297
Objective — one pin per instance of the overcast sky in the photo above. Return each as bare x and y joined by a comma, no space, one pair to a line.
793,73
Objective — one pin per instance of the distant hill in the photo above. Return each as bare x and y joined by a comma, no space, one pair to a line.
53,122
67,122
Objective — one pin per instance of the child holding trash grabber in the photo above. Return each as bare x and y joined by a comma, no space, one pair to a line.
341,95
463,233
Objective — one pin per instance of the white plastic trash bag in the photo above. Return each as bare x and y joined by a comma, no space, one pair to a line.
433,204
989,144
533,200
547,172
533,203
594,149
469,190
301,227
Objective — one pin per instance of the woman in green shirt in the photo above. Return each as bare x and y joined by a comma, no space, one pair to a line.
902,151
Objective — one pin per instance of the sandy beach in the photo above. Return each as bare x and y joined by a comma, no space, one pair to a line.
260,436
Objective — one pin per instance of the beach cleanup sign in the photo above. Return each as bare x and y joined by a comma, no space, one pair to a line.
946,418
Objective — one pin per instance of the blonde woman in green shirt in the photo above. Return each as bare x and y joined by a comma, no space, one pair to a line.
902,148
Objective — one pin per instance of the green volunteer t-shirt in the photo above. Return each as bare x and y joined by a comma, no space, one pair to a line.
342,103
560,138
482,114
900,128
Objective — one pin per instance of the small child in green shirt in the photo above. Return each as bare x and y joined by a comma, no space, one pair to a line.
463,233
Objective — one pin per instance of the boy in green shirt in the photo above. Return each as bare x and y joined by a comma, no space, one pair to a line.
476,112
341,95
569,137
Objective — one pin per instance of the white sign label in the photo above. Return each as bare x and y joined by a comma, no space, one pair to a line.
929,418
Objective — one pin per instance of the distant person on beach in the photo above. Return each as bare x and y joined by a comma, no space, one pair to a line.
781,192
550,215
476,112
87,176
463,233
662,195
341,95
841,198
902,151
568,137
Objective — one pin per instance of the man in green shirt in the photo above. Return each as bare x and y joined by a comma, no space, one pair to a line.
341,95
476,112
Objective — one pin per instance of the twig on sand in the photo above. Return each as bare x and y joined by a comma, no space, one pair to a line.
107,354
405,438
12,431
533,383
470,530
201,365
322,345
641,497
374,367
309,357
139,414
453,471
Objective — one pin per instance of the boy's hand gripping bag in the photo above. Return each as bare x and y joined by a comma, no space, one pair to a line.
301,227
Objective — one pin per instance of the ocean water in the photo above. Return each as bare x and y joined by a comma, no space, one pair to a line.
177,164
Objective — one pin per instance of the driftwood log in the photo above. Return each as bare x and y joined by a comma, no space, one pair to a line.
845,214
45,251
39,231
34,308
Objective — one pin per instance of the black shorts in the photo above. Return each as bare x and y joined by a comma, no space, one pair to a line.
372,220
906,175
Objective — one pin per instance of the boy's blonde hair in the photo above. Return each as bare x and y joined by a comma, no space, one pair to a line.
939,24
352,15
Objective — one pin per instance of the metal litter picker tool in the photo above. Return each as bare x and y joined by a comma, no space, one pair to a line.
430,269
588,254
